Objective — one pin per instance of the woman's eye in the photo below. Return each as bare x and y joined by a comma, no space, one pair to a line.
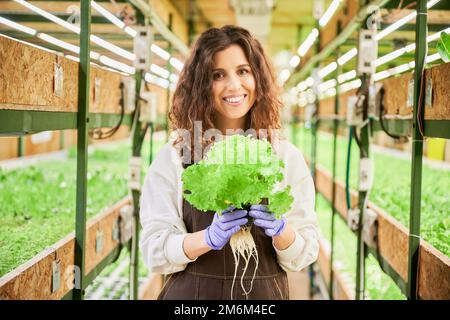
217,76
243,72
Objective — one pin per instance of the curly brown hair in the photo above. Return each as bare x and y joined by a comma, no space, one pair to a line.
193,100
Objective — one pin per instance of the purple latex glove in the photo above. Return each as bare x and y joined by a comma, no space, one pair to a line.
266,220
224,226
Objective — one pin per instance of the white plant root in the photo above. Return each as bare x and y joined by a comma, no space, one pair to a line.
242,244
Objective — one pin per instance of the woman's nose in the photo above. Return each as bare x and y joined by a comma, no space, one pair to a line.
234,83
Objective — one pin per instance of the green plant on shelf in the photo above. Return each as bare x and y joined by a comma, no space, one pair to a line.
443,47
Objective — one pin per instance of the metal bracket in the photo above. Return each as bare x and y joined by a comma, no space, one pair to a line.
58,81
129,94
374,100
353,218
410,101
134,178
370,228
126,223
97,86
56,275
141,47
99,241
354,110
365,174
429,93
148,110
116,230
367,51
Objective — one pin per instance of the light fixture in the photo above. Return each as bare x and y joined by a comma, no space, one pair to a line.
347,56
309,41
105,44
17,26
394,54
159,71
284,75
177,64
327,69
346,76
294,61
117,65
151,78
402,21
329,13
160,52
59,43
309,81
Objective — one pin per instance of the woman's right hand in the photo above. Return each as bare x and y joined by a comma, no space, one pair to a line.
224,226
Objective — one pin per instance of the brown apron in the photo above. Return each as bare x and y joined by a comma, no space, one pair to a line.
211,275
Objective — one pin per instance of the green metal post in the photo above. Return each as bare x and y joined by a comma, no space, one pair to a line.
62,138
20,146
333,189
150,158
363,153
417,150
82,124
169,68
137,133
314,125
136,152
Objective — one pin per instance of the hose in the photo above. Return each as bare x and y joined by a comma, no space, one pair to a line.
347,170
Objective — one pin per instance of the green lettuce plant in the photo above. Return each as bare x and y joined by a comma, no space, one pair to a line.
238,170
443,47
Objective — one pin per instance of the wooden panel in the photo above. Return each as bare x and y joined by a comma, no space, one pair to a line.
32,148
440,76
108,99
26,78
396,95
393,241
27,81
103,223
434,273
33,279
8,147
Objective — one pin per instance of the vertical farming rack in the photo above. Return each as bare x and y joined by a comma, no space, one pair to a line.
412,104
44,90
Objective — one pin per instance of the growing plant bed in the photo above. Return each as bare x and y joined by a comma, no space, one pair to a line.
391,188
38,202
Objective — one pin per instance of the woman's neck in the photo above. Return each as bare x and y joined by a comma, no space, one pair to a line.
224,124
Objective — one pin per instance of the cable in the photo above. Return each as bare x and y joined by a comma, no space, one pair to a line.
347,170
381,115
98,134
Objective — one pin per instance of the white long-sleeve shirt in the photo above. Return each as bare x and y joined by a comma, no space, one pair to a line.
161,214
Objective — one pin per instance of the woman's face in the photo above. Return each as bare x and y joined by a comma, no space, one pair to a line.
233,84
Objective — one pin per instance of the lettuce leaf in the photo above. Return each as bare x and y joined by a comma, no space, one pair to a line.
238,170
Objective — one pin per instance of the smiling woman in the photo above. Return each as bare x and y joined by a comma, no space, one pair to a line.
227,86
233,88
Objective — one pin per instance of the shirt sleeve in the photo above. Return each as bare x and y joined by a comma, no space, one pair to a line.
302,217
163,228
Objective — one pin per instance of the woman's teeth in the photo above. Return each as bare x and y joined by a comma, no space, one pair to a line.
235,99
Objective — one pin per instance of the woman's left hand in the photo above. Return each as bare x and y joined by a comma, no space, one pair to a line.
266,220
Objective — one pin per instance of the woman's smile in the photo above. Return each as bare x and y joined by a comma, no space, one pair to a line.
235,100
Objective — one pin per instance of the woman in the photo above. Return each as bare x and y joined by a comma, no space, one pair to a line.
227,84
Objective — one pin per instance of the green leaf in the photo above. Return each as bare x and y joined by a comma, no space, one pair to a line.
237,171
443,47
